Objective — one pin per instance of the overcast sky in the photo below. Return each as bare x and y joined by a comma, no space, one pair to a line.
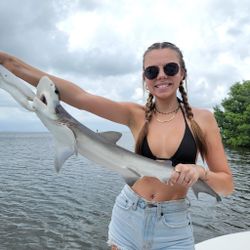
99,46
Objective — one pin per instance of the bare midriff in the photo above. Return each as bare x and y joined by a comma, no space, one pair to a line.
154,190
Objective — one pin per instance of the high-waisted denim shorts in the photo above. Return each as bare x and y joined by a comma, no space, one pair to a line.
137,224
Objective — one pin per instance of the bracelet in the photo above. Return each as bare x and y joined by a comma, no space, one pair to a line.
206,171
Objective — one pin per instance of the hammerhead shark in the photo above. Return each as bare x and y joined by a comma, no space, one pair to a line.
72,137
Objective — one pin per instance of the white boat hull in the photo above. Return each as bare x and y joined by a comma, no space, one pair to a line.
234,241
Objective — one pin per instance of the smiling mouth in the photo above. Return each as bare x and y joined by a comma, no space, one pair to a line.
163,85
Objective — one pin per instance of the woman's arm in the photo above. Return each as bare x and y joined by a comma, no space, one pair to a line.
120,112
219,176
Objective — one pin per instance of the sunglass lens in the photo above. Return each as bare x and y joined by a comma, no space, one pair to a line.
151,72
171,69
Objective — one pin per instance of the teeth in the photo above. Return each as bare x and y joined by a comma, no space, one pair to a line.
161,86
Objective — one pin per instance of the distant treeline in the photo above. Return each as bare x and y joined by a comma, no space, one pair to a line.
233,115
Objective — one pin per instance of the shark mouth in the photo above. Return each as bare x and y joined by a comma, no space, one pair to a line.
43,99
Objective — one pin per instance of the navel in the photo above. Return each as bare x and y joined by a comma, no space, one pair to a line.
152,196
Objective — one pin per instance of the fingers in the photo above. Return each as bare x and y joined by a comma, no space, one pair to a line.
184,174
174,177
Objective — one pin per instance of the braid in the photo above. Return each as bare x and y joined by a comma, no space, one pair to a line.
148,116
187,107
149,107
198,134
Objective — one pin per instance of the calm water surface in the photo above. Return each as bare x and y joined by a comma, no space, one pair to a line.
40,209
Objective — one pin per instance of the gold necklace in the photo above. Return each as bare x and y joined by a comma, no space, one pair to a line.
171,118
168,120
167,113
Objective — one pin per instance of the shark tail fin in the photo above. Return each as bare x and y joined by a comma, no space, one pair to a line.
202,187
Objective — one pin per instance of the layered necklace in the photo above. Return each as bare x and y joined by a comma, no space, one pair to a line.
173,112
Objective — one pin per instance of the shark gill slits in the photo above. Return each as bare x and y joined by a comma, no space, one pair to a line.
43,99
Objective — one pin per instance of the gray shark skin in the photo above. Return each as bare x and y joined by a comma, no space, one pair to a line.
72,137
16,88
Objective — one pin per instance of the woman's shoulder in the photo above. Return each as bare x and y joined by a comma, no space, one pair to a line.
134,107
205,118
201,113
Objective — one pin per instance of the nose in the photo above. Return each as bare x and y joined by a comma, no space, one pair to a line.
161,74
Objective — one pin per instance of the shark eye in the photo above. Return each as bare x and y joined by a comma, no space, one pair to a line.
43,99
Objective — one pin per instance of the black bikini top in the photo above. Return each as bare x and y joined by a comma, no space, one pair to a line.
186,152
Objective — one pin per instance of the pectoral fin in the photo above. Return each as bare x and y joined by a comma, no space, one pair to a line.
62,154
65,143
130,176
134,172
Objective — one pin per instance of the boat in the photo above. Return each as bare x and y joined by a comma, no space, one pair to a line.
233,241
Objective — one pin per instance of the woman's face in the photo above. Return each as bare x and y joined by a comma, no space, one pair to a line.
163,85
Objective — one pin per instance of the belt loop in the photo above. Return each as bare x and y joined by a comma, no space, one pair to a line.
188,201
159,211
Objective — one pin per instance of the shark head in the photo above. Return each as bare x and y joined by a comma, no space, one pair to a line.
47,98
47,104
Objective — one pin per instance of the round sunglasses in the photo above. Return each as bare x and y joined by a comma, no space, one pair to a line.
170,69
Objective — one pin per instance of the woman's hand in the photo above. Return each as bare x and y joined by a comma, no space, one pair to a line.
185,175
2,57
5,59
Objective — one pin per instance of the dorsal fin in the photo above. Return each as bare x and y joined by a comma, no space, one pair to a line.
111,136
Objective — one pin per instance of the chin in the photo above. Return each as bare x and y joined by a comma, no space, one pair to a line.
165,95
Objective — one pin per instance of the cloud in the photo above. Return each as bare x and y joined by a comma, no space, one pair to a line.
99,44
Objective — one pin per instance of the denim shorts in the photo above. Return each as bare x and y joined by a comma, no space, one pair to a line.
138,224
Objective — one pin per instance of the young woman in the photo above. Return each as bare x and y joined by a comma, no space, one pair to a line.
151,214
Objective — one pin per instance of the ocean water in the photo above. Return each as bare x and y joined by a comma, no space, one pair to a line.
42,209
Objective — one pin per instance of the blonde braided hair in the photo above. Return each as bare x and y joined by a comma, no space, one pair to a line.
149,109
